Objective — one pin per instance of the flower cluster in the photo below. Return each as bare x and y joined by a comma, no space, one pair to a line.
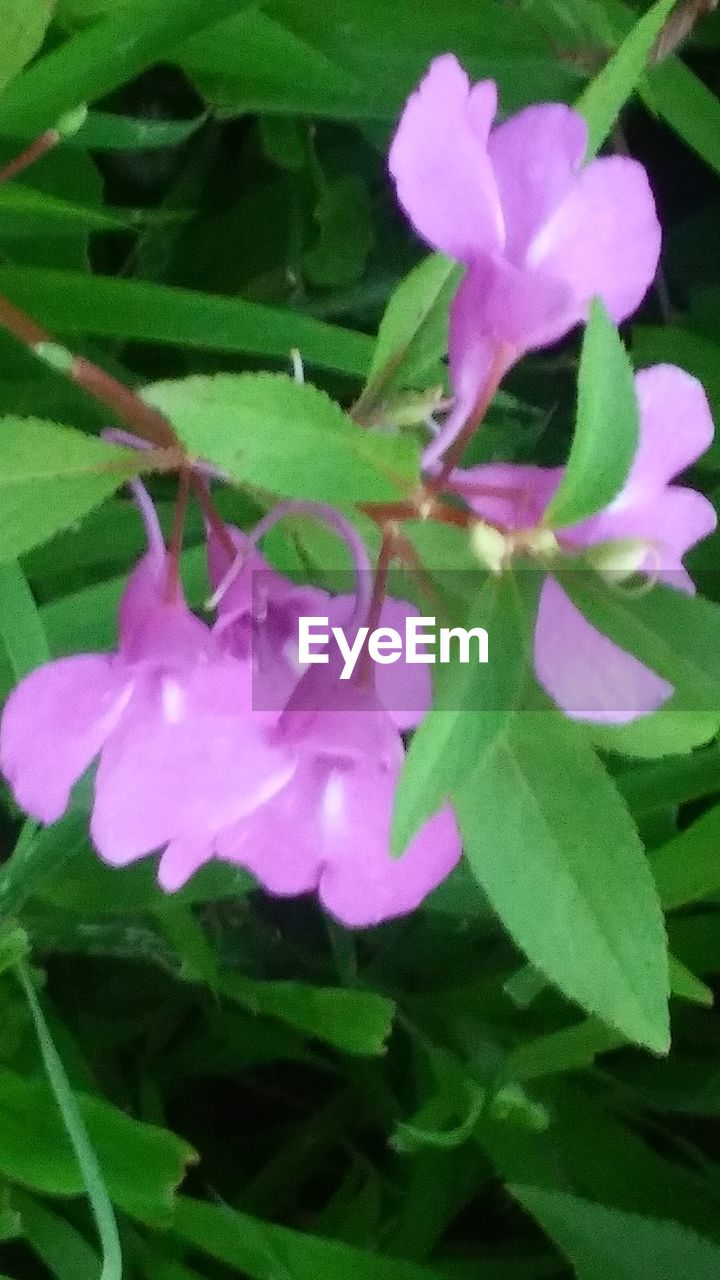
301,797
190,763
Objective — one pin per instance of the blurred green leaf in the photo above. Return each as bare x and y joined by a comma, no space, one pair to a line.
141,1164
687,868
101,57
23,24
346,236
132,309
21,628
60,1246
603,99
604,1244
351,1020
267,1252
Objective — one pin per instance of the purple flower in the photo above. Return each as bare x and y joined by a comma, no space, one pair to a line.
328,830
652,522
258,616
540,234
180,754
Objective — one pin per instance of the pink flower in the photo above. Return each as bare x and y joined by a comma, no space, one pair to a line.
540,234
328,830
180,754
586,674
258,616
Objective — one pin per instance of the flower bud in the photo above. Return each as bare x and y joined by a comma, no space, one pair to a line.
620,558
491,547
72,121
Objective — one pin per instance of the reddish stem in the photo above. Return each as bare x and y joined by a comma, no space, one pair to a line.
172,586
212,516
379,593
111,394
30,155
461,441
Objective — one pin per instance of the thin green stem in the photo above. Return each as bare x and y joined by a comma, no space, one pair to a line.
98,1196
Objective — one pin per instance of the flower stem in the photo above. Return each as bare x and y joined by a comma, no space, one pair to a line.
31,154
106,390
176,537
456,448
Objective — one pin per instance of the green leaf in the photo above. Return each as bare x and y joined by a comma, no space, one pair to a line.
346,236
25,211
607,1244
36,856
686,986
359,60
669,731
101,57
606,95
105,132
21,628
606,431
675,634
688,106
74,303
351,1020
555,850
267,431
413,333
674,780
264,1251
100,1203
141,1164
60,1246
472,704
23,24
687,868
50,476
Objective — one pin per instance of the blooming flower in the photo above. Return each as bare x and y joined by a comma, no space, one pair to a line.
540,234
328,830
658,522
181,755
258,616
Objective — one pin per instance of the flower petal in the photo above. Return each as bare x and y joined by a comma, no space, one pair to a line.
585,673
180,861
511,494
676,427
440,164
53,726
497,313
535,157
188,760
277,844
360,883
156,631
604,239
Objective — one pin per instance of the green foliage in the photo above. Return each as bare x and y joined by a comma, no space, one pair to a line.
555,850
267,431
485,1088
606,432
49,477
